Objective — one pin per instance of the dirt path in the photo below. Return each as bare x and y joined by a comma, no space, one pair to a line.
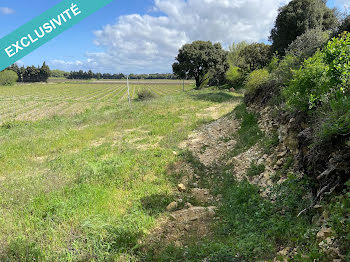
192,221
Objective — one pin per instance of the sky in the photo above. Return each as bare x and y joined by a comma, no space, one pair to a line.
144,36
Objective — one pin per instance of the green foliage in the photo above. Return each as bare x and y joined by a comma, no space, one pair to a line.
298,16
340,220
273,65
235,77
8,78
309,85
21,249
344,26
255,227
35,74
254,56
234,57
256,79
59,73
145,94
198,59
337,57
283,72
255,169
249,133
307,44
323,78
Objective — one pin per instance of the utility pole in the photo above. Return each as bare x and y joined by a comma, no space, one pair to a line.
127,83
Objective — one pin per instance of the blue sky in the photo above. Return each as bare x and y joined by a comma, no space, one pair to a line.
143,36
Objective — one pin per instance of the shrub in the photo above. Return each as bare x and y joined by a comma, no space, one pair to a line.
144,94
308,43
282,72
235,77
309,84
255,79
8,78
323,78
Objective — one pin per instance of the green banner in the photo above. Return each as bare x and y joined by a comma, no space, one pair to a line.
43,28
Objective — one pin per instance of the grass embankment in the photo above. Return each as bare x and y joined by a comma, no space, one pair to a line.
90,186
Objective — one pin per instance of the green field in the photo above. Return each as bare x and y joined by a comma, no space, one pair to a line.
37,101
83,176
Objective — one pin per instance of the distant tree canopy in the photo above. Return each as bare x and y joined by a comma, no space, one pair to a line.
254,56
82,75
202,61
234,56
344,26
59,73
295,18
32,73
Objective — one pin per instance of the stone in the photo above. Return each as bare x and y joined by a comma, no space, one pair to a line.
260,161
284,252
188,205
181,187
193,214
201,195
279,163
172,206
324,233
282,154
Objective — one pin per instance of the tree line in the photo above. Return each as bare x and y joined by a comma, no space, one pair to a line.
91,75
209,64
31,73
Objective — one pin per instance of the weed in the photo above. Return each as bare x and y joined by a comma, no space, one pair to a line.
249,133
255,169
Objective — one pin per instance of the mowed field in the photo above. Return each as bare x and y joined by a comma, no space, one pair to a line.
85,177
37,101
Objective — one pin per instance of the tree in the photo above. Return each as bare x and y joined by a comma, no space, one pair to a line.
254,56
344,26
44,73
295,18
201,60
234,56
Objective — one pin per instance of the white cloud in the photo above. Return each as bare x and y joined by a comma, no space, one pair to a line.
6,10
145,43
68,65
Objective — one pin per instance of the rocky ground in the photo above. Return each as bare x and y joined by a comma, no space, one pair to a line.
210,146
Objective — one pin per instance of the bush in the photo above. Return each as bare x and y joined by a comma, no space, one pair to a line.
255,79
144,94
8,78
309,84
323,78
282,73
235,77
307,44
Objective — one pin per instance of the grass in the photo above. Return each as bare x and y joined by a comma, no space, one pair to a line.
249,133
251,227
89,186
38,101
255,169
